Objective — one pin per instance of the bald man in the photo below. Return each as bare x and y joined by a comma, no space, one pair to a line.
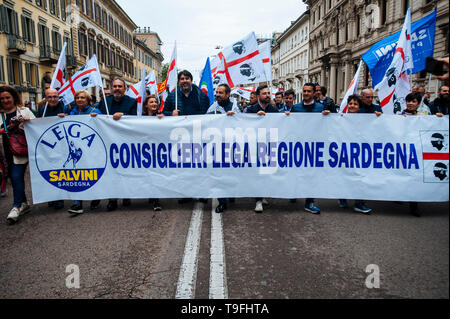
55,107
368,105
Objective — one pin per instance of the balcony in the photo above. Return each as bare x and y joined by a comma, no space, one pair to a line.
16,46
115,72
48,55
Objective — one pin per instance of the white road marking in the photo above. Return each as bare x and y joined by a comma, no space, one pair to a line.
188,273
217,277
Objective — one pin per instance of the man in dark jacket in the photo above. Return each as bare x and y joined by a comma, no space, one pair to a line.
262,107
440,104
54,105
54,108
279,101
326,101
119,104
368,105
191,100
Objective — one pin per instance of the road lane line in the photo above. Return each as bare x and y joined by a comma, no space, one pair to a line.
217,277
188,272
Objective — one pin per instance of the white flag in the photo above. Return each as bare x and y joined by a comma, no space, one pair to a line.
59,76
240,63
266,55
88,76
172,76
352,89
395,85
150,83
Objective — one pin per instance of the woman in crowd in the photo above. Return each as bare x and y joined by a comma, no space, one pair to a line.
354,106
12,128
151,108
413,108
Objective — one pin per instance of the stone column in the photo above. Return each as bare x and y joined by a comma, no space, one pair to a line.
332,86
322,75
348,74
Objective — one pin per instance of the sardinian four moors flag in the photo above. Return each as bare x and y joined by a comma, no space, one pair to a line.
88,76
59,76
352,89
266,56
170,84
239,63
138,90
394,87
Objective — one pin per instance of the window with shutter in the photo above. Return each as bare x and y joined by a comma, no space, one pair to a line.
37,75
2,70
19,66
33,32
10,67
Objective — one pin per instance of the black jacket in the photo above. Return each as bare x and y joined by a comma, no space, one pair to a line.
439,105
127,105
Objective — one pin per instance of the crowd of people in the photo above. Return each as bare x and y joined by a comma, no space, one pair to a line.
191,100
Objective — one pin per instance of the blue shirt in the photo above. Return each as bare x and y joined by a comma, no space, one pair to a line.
87,110
313,108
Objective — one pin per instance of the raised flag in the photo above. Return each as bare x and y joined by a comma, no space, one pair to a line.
206,84
394,87
59,76
380,55
352,89
88,76
266,56
150,83
170,84
239,63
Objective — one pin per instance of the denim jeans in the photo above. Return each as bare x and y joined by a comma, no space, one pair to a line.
18,183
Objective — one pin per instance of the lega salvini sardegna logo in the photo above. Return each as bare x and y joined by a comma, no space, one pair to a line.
75,156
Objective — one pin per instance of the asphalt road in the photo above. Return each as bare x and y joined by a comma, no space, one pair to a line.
284,253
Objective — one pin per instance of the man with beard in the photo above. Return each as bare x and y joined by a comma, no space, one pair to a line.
326,101
440,105
279,101
119,105
308,105
223,104
289,97
368,106
253,98
262,107
191,100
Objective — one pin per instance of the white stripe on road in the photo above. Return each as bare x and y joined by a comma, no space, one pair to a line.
217,278
188,272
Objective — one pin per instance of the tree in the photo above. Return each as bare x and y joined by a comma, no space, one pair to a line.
164,70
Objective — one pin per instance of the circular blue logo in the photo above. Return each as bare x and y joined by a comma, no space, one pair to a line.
71,156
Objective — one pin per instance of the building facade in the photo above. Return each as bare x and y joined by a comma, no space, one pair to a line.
342,30
147,52
32,34
103,28
290,56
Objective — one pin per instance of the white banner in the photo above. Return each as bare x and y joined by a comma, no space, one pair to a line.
357,156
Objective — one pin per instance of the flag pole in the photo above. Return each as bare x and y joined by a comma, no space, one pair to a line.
103,91
176,73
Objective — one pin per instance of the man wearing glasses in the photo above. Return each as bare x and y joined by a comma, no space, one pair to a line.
54,105
54,108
